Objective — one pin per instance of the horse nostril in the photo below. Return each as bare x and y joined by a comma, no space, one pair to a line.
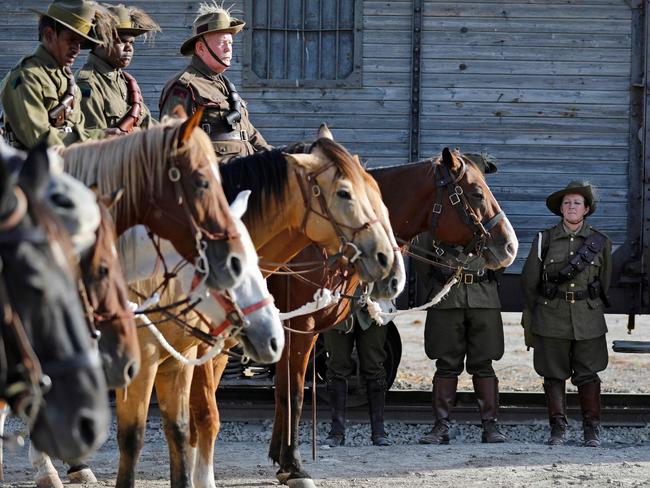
62,201
383,259
274,344
235,266
510,248
87,430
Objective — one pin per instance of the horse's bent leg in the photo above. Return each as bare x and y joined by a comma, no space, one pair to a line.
132,411
204,419
290,461
173,385
46,475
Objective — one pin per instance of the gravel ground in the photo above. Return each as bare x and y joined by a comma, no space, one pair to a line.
626,373
241,455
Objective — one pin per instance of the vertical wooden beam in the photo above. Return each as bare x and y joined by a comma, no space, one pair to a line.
416,52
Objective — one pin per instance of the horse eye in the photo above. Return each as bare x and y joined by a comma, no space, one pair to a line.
478,195
103,271
346,195
203,184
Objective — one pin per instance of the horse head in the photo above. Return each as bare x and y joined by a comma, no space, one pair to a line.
468,215
338,213
105,290
47,347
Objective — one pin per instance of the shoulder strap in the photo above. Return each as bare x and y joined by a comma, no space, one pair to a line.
594,243
543,239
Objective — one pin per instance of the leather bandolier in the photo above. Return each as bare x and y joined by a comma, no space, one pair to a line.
131,119
583,257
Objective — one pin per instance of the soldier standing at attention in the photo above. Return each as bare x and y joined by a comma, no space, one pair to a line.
203,84
463,330
40,97
566,278
110,96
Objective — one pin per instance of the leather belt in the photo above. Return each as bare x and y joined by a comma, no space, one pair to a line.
215,135
573,296
470,279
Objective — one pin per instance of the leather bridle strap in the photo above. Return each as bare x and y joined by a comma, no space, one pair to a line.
236,316
20,210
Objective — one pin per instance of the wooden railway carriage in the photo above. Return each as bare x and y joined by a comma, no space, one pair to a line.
554,89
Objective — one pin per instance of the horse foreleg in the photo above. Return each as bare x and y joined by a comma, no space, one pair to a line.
4,411
290,460
132,409
173,391
204,419
46,474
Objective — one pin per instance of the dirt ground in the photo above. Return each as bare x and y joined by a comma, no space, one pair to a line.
241,456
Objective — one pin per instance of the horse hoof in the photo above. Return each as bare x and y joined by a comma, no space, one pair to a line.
301,483
50,480
82,476
282,476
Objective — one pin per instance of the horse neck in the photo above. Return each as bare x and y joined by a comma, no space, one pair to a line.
139,258
409,216
281,249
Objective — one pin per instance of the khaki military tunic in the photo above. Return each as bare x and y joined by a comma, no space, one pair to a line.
569,338
31,89
197,86
464,330
105,95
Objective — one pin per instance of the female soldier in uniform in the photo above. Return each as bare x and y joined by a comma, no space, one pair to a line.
566,278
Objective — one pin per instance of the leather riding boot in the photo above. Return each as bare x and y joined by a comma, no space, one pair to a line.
338,390
589,396
487,397
376,390
556,403
444,398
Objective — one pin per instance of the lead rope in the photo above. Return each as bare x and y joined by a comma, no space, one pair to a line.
313,401
288,349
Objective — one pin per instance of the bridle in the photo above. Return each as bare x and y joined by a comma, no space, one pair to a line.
449,183
348,250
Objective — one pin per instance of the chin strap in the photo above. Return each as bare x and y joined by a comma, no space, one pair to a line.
212,53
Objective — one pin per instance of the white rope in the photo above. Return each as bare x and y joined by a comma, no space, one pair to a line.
381,317
138,311
322,298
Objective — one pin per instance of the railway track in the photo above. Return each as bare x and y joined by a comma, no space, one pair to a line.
257,403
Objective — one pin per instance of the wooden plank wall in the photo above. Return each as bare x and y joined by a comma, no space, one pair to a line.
544,86
541,84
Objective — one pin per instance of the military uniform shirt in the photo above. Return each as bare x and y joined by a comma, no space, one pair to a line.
557,317
105,95
31,89
198,86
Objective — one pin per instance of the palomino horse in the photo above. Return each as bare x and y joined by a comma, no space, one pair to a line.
278,247
171,185
45,336
476,220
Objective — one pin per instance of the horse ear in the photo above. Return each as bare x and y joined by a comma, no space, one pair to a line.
35,173
449,160
110,200
324,132
240,204
189,125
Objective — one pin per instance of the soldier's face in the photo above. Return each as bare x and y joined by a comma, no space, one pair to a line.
573,208
221,45
121,52
64,46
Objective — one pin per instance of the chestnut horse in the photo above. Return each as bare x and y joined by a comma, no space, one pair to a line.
275,249
171,185
44,333
411,213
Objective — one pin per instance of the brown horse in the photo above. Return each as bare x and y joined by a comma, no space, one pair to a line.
319,197
171,185
276,249
411,213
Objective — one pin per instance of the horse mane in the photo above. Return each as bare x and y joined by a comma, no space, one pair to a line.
105,233
126,161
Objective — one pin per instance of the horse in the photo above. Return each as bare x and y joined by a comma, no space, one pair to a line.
275,250
46,353
476,220
171,185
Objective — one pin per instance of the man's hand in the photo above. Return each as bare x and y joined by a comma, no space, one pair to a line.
112,132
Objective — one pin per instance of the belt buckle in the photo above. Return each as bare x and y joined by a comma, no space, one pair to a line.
570,296
244,135
207,128
437,208
468,279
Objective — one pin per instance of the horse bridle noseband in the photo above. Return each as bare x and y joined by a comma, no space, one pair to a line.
480,229
348,250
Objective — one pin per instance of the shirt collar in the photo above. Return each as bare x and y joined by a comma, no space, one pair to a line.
198,64
559,231
44,56
102,67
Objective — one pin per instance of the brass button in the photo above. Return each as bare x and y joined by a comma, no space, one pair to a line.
572,285
571,253
545,303
551,261
572,239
